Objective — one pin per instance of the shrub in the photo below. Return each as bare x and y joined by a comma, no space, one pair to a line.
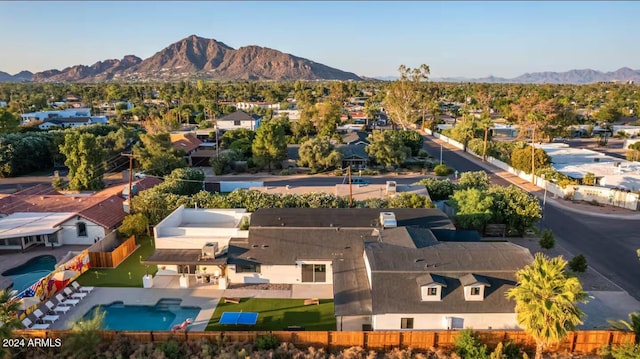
57,183
338,172
438,190
476,179
244,223
266,342
286,172
170,349
442,170
578,264
624,351
468,346
547,241
507,351
423,153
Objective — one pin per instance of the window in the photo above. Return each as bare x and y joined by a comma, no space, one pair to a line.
432,291
314,273
475,290
247,268
82,229
406,323
53,238
236,122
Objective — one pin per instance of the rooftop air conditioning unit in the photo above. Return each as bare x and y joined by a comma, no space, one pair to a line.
209,250
388,220
391,187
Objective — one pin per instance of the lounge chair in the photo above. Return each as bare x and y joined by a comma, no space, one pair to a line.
57,308
66,302
44,317
74,295
29,324
183,326
79,288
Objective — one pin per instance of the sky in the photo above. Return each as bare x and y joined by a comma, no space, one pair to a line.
369,38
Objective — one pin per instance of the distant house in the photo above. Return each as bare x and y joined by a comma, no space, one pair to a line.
38,216
186,142
246,106
58,114
355,138
354,155
72,122
3,104
239,119
292,115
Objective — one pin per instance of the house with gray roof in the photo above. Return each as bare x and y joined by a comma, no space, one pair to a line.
387,268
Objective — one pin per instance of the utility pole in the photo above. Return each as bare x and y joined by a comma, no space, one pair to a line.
217,142
350,187
484,152
130,155
533,155
441,153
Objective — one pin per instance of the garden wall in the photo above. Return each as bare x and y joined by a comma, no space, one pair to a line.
583,342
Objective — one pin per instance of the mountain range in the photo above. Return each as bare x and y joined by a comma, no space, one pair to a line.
199,58
194,58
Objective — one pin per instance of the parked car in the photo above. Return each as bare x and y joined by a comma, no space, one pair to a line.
139,175
360,181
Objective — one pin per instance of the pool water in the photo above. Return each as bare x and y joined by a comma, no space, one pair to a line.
29,273
162,316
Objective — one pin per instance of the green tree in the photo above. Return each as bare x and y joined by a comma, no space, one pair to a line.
223,162
477,179
438,190
328,113
521,159
468,346
85,159
270,144
547,300
473,208
134,224
229,137
578,264
319,154
8,317
631,325
156,155
547,241
388,149
184,181
8,121
409,200
402,96
514,207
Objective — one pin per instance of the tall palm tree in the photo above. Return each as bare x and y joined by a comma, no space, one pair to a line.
632,325
546,300
8,316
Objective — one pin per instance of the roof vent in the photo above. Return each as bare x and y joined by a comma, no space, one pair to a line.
420,260
265,246
254,246
347,247
388,220
251,258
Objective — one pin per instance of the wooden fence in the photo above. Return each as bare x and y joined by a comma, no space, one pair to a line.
114,258
579,342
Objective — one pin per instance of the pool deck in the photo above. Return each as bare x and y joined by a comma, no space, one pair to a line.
206,297
12,259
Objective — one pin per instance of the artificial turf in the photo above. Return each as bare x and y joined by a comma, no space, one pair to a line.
119,276
277,314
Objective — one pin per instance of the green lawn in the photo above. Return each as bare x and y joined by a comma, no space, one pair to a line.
119,277
277,314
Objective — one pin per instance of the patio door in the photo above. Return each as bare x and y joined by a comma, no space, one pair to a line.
314,273
186,269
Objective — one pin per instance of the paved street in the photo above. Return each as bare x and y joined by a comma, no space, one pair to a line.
609,244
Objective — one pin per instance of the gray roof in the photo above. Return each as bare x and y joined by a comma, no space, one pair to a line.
472,279
351,151
461,257
239,116
399,292
429,278
182,256
348,217
355,137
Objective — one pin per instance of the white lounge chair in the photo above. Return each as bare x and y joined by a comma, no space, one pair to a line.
66,302
57,308
29,324
45,318
74,295
79,288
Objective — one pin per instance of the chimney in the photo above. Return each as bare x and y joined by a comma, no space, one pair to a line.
388,220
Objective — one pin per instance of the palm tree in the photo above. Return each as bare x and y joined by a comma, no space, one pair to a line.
546,300
632,325
8,316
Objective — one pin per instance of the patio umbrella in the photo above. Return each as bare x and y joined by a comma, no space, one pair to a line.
64,275
28,302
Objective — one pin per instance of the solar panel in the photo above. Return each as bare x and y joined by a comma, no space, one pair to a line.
238,318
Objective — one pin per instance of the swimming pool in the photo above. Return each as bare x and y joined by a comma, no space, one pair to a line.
162,316
23,276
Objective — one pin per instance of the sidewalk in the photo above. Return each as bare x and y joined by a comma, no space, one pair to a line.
576,207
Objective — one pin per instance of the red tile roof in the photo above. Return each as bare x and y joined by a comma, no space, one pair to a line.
108,213
185,141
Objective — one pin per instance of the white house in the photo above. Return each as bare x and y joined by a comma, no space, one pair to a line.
3,104
72,122
190,239
389,269
45,115
251,105
239,119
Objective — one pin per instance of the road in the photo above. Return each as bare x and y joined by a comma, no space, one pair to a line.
314,180
608,244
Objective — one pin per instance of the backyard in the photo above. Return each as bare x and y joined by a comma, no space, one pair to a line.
278,314
128,274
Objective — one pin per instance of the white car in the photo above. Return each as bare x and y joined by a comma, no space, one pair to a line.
140,175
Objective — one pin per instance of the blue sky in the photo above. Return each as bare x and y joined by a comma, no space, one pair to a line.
370,38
